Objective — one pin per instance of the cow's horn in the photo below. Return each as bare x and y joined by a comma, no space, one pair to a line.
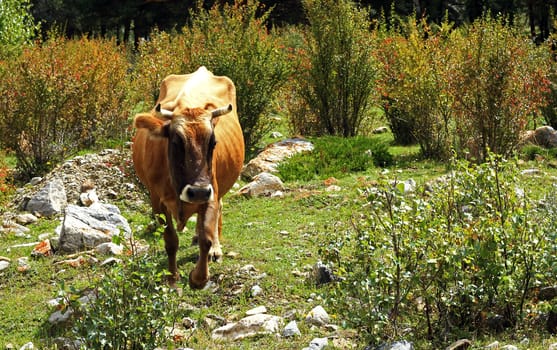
162,111
220,111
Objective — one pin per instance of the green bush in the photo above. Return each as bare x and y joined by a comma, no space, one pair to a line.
17,27
442,262
335,156
60,97
128,308
336,72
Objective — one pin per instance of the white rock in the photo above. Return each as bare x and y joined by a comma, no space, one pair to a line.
291,330
26,218
552,346
28,346
4,265
50,200
270,157
257,310
59,316
256,290
87,227
250,326
509,347
88,198
318,316
36,180
109,248
318,343
380,130
494,345
247,269
263,184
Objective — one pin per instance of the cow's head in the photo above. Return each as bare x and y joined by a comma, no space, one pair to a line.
191,142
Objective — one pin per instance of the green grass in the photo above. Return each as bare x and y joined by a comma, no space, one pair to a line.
276,235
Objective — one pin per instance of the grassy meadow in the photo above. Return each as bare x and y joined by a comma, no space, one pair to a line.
281,237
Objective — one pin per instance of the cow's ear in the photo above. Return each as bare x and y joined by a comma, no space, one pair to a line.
156,127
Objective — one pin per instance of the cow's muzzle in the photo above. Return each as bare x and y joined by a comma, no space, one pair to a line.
197,194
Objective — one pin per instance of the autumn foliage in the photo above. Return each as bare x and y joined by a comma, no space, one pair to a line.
61,96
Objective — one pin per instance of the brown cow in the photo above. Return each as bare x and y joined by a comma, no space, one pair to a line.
189,152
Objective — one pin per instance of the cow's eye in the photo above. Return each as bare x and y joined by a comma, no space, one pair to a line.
212,141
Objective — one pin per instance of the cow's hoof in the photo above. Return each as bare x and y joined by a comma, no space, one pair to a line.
172,279
197,284
215,254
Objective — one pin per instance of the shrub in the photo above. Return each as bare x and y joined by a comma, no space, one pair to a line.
60,97
412,86
499,81
128,308
163,54
336,77
445,261
335,156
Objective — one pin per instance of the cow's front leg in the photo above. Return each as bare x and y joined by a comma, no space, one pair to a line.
171,247
205,228
215,253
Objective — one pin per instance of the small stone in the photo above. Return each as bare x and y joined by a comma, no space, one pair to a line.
26,219
333,188
36,180
109,248
4,265
318,316
111,261
232,255
67,344
59,316
256,290
509,347
291,330
552,346
494,345
42,249
318,343
247,269
88,198
257,310
28,346
380,130
322,273
23,264
460,344
189,323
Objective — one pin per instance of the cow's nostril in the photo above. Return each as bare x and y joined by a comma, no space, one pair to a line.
197,194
